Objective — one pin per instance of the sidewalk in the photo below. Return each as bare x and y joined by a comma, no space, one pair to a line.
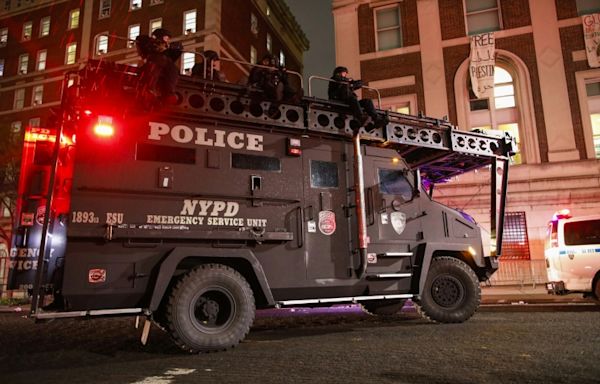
507,294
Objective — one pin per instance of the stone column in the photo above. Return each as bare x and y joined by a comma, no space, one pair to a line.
432,59
212,24
553,82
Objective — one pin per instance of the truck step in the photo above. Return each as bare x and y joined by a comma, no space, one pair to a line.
352,299
395,254
379,276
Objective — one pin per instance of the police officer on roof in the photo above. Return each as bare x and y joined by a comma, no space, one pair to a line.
158,73
342,89
213,67
162,39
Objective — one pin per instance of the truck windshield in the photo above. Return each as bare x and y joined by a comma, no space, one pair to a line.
582,232
394,182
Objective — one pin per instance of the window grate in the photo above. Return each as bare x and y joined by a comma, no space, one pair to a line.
515,243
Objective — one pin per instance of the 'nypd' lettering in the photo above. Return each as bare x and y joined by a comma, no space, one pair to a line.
201,136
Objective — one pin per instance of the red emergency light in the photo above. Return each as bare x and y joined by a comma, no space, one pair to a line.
562,214
294,147
104,127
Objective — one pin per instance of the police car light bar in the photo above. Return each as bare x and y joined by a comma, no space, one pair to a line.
562,214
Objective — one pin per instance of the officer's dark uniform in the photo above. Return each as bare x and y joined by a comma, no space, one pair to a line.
158,74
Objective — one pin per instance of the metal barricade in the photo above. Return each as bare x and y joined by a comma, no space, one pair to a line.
520,272
315,77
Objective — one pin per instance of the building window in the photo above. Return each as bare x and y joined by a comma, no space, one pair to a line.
501,113
155,2
71,53
387,25
268,11
34,122
1,67
135,4
482,16
155,24
585,7
282,58
132,33
269,43
253,55
189,22
101,44
187,62
104,9
3,37
253,24
27,29
23,64
45,26
41,60
593,99
74,18
19,99
37,95
15,126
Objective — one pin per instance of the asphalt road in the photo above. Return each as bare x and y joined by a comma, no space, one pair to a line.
523,345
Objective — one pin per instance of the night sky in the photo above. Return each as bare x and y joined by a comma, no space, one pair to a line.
316,20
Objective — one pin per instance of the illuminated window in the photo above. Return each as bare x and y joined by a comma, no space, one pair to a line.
189,22
513,130
3,37
27,29
504,89
269,43
23,64
15,126
37,95
71,53
132,33
104,9
593,94
101,44
155,24
74,18
1,67
187,62
19,101
253,24
45,26
388,28
41,60
282,58
585,7
268,11
135,4
253,55
482,16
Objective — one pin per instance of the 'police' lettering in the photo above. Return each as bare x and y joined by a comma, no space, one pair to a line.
201,136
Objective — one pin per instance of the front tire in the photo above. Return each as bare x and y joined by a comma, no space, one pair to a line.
210,309
451,294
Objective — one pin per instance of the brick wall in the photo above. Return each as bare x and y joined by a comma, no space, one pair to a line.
452,19
409,23
572,40
515,13
566,9
396,66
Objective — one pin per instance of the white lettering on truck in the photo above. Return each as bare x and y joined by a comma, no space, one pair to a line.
201,136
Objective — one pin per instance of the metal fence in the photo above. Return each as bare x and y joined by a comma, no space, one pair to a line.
520,272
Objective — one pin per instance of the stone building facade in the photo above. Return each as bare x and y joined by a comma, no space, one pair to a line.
417,53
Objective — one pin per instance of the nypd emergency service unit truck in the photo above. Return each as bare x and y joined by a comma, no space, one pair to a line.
197,214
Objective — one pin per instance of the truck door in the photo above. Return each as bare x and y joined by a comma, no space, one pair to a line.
326,226
393,211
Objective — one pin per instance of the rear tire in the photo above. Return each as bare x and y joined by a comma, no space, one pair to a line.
597,291
383,307
451,294
210,309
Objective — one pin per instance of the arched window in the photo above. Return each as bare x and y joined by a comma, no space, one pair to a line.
499,113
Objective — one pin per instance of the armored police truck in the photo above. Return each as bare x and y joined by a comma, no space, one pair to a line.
195,214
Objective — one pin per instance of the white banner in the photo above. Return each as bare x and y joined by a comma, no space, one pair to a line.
591,35
481,67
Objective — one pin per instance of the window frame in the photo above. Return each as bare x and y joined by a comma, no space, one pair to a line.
24,62
269,43
34,122
104,9
498,10
15,124
253,55
378,30
135,8
19,99
28,25
253,24
2,63
100,36
41,34
186,57
188,31
71,24
586,11
131,42
37,90
3,36
152,21
41,52
73,44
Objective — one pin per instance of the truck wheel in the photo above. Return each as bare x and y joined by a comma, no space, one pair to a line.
382,307
451,294
597,291
210,309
